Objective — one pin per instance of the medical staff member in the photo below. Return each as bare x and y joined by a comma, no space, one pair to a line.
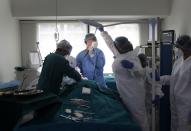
55,66
129,75
180,86
91,61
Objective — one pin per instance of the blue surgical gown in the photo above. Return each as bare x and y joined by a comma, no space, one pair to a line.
92,66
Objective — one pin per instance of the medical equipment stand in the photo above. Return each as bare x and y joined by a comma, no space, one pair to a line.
154,36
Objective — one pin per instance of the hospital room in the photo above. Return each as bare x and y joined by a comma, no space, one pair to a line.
99,65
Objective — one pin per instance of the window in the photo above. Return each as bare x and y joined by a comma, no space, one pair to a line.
72,32
75,32
131,31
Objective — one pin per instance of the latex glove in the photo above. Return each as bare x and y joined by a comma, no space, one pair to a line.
84,78
127,64
156,100
165,80
71,60
158,90
101,29
159,94
90,52
90,48
77,69
67,81
94,44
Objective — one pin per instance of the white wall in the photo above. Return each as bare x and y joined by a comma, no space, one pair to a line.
31,8
180,17
144,33
28,40
9,42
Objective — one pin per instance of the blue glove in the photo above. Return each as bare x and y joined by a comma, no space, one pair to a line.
127,64
101,29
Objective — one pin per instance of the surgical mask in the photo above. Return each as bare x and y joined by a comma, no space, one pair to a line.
178,53
94,44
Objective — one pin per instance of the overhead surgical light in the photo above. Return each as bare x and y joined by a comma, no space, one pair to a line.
92,23
97,25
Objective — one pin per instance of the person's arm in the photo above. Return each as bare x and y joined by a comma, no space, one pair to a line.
100,60
79,62
71,60
165,80
71,72
132,63
109,41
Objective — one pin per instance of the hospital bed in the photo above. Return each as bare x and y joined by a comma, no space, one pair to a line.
85,106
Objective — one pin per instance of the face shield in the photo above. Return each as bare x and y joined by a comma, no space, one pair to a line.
94,44
178,53
184,42
90,36
123,45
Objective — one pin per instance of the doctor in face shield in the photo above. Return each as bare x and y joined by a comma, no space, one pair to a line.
91,61
180,83
129,76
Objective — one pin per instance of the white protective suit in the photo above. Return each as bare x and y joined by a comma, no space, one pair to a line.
180,94
130,82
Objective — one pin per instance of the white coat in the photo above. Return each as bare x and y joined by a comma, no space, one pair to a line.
130,83
180,94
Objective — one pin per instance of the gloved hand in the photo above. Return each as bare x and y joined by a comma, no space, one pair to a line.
101,29
159,94
156,100
94,44
127,64
90,48
158,90
90,51
84,78
165,80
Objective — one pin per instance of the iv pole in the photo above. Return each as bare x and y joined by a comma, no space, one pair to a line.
154,22
153,71
56,34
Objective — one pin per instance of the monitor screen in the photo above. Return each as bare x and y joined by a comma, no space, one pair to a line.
168,36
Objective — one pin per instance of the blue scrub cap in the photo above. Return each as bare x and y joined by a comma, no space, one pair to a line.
90,36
